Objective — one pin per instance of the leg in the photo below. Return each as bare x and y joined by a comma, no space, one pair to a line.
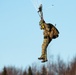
44,49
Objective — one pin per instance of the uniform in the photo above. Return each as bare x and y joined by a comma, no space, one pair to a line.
50,32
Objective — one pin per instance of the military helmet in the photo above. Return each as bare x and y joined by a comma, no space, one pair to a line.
41,23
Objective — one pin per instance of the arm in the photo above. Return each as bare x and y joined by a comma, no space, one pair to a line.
47,27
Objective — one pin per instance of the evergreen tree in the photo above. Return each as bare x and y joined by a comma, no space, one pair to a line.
30,71
4,71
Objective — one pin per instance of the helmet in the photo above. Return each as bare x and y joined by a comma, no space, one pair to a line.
41,23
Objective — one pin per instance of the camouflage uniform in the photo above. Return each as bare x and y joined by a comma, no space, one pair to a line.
50,32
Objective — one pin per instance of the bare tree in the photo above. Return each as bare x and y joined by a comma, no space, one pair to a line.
44,70
73,67
25,73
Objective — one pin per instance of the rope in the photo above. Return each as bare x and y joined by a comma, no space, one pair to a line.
34,4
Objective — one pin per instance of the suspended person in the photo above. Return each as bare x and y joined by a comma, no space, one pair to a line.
50,32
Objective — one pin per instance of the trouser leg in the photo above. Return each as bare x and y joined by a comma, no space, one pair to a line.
44,48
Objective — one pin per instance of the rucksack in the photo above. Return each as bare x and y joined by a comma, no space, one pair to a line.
55,30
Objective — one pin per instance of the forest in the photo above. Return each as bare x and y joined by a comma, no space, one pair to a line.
50,68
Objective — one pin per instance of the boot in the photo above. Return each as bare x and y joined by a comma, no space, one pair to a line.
45,59
42,57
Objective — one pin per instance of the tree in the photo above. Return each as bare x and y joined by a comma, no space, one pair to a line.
44,70
30,71
25,73
4,71
38,73
61,67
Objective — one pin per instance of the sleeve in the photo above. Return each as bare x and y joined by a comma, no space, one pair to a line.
47,27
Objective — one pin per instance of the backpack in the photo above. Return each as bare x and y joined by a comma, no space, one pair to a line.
55,30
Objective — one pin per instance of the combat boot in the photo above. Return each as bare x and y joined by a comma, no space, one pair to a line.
45,59
42,57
